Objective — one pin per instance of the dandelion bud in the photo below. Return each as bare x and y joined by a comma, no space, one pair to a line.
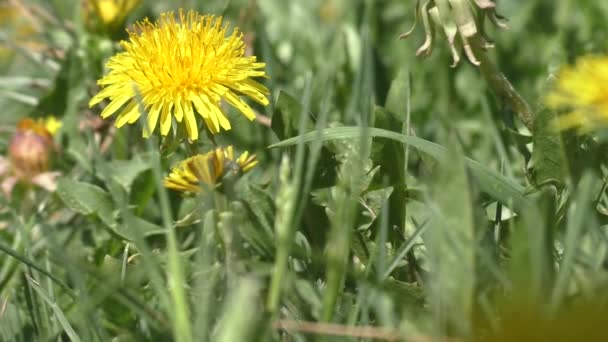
30,149
460,21
207,170
107,15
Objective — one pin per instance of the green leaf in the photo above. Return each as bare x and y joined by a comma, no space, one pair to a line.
55,102
261,205
143,226
532,257
240,315
390,156
370,202
86,199
59,314
286,118
450,241
494,184
77,150
397,99
549,162
309,294
124,172
408,294
580,218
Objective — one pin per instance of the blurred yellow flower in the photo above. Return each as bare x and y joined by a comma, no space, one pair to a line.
180,67
51,124
207,170
582,91
18,30
111,13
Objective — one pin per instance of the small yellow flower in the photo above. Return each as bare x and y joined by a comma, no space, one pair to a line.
108,15
114,12
181,67
582,91
206,170
51,124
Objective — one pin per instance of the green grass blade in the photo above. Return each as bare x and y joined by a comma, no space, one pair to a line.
450,244
578,216
63,321
405,248
491,182
35,266
240,314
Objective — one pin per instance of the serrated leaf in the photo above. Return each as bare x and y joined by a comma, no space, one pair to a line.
548,157
322,197
261,204
491,182
372,202
286,117
124,172
87,199
309,294
408,294
145,227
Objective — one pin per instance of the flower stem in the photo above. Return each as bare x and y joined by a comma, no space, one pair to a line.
284,231
502,87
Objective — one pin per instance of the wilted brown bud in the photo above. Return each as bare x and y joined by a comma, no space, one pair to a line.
460,21
30,150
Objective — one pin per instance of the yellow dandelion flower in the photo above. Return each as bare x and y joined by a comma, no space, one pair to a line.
207,170
113,13
181,67
37,126
582,91
51,124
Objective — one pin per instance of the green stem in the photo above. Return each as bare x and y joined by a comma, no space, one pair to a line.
337,261
182,331
280,269
284,232
502,88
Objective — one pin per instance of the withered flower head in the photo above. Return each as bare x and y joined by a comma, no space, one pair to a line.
462,23
30,149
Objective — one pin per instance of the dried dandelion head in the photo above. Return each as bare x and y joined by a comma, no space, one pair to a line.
31,147
462,23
